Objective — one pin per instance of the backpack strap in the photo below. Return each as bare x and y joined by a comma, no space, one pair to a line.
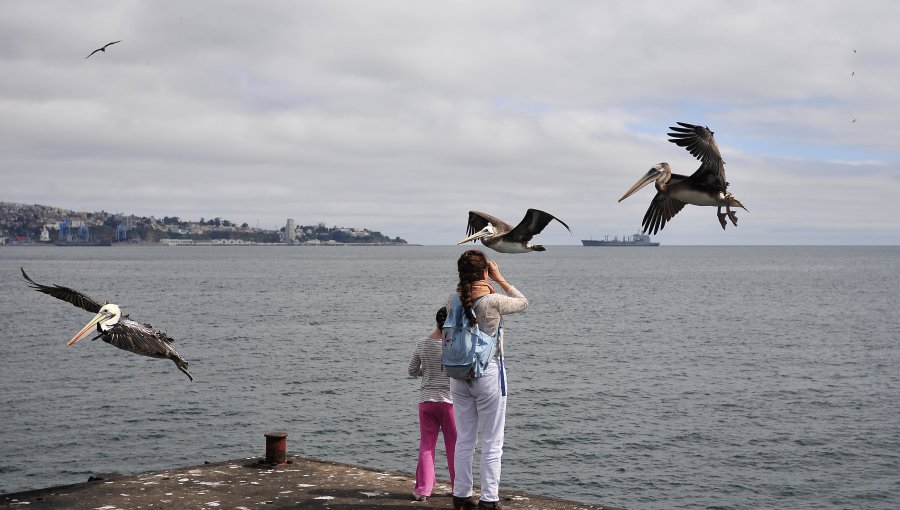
498,347
456,301
502,375
475,303
502,368
499,324
500,363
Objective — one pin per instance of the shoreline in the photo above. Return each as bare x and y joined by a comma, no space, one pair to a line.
212,243
252,483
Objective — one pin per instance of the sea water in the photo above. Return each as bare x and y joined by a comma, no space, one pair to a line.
651,378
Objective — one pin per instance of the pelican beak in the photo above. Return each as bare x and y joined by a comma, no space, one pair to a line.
652,175
474,237
102,316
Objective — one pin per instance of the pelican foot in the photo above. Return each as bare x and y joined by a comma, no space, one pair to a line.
722,221
733,217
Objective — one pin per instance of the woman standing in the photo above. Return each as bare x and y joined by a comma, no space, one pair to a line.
435,408
480,404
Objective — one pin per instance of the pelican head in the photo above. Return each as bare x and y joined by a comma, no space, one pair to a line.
485,232
660,173
108,316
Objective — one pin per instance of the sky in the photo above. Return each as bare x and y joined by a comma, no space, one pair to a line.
402,116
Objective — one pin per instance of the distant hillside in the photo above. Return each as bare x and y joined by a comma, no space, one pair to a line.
41,223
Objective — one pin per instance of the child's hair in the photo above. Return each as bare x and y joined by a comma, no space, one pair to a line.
441,316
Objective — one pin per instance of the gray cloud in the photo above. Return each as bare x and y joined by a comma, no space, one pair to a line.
402,116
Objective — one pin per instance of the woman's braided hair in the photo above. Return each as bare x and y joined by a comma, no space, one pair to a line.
471,266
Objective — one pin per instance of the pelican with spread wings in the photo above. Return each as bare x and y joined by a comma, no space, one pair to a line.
115,328
500,236
705,187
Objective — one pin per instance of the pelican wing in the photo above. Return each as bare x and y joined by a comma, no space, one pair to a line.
533,223
139,339
699,141
142,339
66,294
479,220
662,209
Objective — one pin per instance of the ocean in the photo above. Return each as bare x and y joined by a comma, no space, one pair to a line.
644,378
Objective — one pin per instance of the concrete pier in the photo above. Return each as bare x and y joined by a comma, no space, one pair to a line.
252,484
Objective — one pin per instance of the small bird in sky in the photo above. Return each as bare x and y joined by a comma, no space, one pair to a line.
102,49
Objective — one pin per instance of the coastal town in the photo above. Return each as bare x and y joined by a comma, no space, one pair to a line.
22,224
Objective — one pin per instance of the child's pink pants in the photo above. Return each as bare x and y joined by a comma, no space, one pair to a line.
434,417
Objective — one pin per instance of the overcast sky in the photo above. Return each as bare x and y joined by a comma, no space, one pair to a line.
403,116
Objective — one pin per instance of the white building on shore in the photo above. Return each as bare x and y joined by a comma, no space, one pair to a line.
290,231
212,242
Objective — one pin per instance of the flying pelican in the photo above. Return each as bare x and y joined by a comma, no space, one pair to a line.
500,236
103,49
705,187
114,328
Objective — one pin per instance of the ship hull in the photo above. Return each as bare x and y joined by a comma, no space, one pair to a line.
593,242
637,239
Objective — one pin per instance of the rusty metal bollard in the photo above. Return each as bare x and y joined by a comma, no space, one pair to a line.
276,445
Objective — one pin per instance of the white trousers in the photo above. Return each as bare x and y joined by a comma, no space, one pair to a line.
478,405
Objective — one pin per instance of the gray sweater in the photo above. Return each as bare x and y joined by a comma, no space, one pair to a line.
489,310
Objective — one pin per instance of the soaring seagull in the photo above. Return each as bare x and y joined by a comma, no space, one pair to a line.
103,49
114,328
500,236
705,187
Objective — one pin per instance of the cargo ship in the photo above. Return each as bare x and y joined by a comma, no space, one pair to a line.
637,239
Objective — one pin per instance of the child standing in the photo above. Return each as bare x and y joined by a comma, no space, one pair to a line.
435,408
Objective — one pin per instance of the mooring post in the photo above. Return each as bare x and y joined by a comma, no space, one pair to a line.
276,445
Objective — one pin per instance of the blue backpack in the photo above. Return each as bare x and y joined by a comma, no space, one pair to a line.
466,350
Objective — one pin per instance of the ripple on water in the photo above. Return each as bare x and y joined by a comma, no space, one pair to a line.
630,384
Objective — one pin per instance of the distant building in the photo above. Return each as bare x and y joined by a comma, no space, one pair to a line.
290,231
45,235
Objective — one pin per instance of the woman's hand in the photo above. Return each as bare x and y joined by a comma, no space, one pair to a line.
494,272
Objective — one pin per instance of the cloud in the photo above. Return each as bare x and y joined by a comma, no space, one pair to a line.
402,117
